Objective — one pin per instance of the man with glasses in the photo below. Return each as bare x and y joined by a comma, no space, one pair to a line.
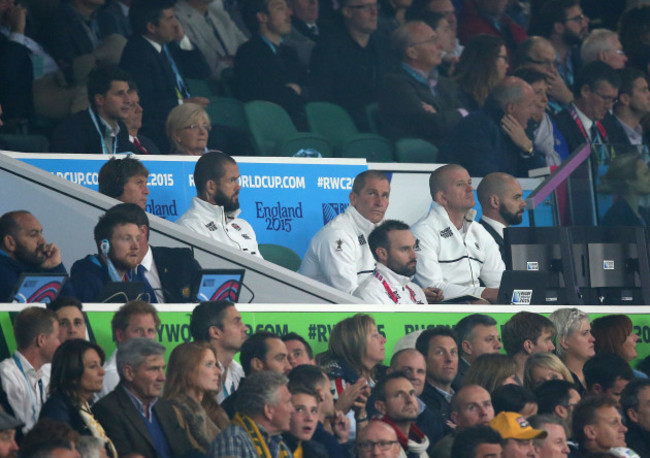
349,66
416,102
632,106
596,92
603,45
378,439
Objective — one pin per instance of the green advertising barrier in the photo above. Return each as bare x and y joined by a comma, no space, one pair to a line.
314,322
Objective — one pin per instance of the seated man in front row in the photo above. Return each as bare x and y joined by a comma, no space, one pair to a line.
24,250
456,253
393,247
339,255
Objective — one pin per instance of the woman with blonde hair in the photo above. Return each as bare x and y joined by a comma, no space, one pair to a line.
193,380
491,370
541,367
188,128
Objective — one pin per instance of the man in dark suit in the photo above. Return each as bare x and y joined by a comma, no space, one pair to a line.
151,59
416,102
169,272
264,68
502,203
100,129
133,415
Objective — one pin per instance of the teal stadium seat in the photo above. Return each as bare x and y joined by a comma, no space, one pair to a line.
280,255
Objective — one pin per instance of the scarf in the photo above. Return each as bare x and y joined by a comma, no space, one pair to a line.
545,141
200,426
96,429
257,438
417,442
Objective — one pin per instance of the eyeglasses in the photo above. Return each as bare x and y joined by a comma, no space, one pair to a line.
546,63
607,98
197,127
366,7
370,445
578,18
620,52
433,40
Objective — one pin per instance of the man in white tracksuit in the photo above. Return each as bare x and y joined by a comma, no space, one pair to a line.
215,208
456,252
391,283
339,255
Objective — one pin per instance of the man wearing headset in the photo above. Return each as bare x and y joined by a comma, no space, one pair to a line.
118,243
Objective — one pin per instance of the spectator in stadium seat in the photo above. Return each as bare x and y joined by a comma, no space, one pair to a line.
8,425
477,442
72,321
50,438
393,247
491,371
554,445
23,249
378,435
502,204
265,69
490,18
192,383
134,415
633,35
117,237
595,91
470,406
541,367
188,127
635,403
482,65
339,254
220,324
114,18
418,11
603,45
574,343
348,65
132,320
449,235
262,351
412,363
475,334
526,333
302,427
77,376
396,401
100,129
608,374
514,398
133,123
627,177
497,138
615,334
25,376
415,101
125,179
597,425
558,398
517,434
300,351
215,209
263,414
439,349
305,29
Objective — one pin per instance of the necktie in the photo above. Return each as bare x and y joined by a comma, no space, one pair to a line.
208,19
181,90
597,142
147,287
595,134
139,146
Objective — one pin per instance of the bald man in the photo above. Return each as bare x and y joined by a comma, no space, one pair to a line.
372,440
502,202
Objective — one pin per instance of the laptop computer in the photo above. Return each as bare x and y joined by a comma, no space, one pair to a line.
38,287
218,284
521,287
121,292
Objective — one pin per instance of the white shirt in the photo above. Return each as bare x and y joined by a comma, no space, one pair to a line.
151,274
212,221
230,383
496,225
25,396
373,289
585,120
111,377
456,260
339,254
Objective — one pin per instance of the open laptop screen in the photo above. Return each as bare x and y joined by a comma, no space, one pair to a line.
218,284
38,287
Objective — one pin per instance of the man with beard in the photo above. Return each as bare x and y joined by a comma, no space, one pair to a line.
215,208
24,250
502,202
118,244
393,247
398,405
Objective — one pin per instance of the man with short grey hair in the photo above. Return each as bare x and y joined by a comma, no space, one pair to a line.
603,45
133,415
264,411
554,445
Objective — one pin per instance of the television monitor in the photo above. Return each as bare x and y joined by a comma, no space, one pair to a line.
38,287
218,284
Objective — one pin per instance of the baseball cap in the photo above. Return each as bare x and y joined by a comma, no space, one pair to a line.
512,425
8,422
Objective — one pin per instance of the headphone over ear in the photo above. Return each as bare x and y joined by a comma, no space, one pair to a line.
105,246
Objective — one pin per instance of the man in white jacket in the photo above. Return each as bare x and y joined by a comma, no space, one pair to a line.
215,208
456,253
339,255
